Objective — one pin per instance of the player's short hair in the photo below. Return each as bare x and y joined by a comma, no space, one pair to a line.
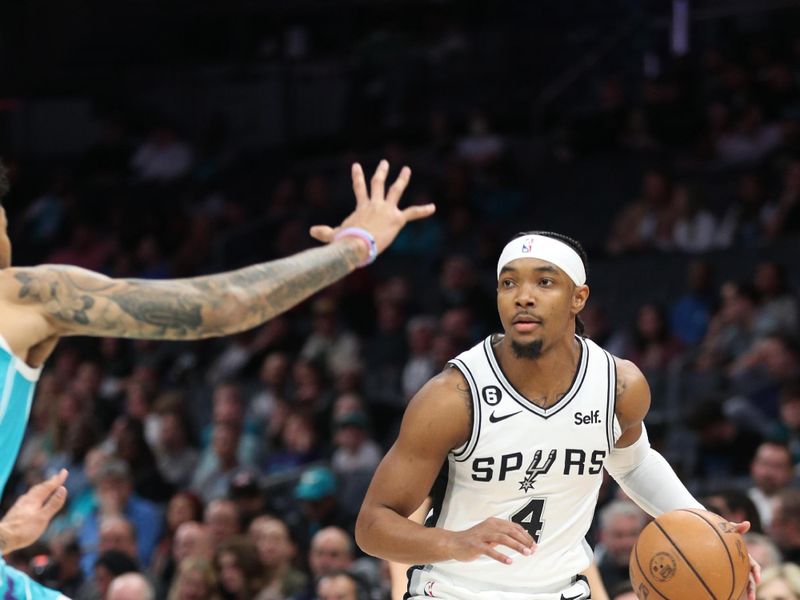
4,185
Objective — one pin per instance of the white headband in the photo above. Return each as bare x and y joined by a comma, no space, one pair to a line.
544,248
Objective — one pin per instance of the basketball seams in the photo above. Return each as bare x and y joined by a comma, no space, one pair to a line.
644,574
724,545
686,560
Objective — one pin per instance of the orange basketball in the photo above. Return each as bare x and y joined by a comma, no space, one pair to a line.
689,554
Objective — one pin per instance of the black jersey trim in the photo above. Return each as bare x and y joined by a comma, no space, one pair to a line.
611,400
463,453
577,381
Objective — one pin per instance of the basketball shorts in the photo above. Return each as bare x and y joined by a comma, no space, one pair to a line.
436,588
16,585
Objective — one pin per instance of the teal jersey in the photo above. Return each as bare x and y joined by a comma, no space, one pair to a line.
17,384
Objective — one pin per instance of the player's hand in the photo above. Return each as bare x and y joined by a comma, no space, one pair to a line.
377,211
755,568
27,519
483,538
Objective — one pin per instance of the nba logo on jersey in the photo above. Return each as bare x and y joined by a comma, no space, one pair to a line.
527,245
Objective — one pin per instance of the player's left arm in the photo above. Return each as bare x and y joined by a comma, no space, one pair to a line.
640,471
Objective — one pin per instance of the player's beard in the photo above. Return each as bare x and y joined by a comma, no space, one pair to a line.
531,350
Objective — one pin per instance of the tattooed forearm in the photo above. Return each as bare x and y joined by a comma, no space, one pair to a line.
81,302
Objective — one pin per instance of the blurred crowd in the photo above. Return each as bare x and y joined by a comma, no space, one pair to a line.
235,468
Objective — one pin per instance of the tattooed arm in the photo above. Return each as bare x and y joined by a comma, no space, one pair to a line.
80,302
75,301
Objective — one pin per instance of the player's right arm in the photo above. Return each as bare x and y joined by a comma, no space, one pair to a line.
59,300
437,420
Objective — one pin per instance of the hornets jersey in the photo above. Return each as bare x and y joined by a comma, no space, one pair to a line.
539,467
17,384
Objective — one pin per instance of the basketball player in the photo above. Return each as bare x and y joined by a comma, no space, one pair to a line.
40,304
524,423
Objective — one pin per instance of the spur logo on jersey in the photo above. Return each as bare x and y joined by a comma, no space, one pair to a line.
536,468
573,461
587,419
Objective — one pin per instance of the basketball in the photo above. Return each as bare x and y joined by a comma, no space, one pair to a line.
689,554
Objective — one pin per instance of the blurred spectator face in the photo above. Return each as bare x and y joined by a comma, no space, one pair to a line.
272,539
331,550
298,434
649,322
117,534
69,405
337,587
771,468
347,403
275,370
790,409
456,273
324,317
225,441
191,540
172,435
620,536
114,490
420,335
227,404
222,519
192,586
181,509
87,379
777,358
231,576
137,400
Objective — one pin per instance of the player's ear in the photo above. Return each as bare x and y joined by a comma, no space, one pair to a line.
579,297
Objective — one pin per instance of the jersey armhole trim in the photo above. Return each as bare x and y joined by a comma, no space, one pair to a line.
464,451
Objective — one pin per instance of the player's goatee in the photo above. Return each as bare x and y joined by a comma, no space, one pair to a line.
530,350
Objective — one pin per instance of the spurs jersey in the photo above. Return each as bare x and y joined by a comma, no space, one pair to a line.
539,467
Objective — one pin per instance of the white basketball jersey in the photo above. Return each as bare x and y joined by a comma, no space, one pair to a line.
539,467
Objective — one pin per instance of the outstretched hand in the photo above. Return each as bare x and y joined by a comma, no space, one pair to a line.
377,211
27,519
755,568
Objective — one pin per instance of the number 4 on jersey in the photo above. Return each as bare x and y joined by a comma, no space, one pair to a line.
530,517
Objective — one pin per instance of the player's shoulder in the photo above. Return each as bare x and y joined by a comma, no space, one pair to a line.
632,391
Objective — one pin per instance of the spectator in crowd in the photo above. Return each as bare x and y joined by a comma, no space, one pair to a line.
245,491
132,447
109,564
744,222
195,580
239,569
115,498
316,492
300,445
787,429
221,462
130,586
653,347
192,539
762,549
779,312
736,506
690,314
355,450
223,521
277,552
273,382
621,522
176,459
643,223
786,217
183,507
693,224
781,582
785,526
330,342
419,366
162,157
338,585
772,472
332,550
731,331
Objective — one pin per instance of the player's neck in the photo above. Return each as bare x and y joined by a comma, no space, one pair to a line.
545,379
